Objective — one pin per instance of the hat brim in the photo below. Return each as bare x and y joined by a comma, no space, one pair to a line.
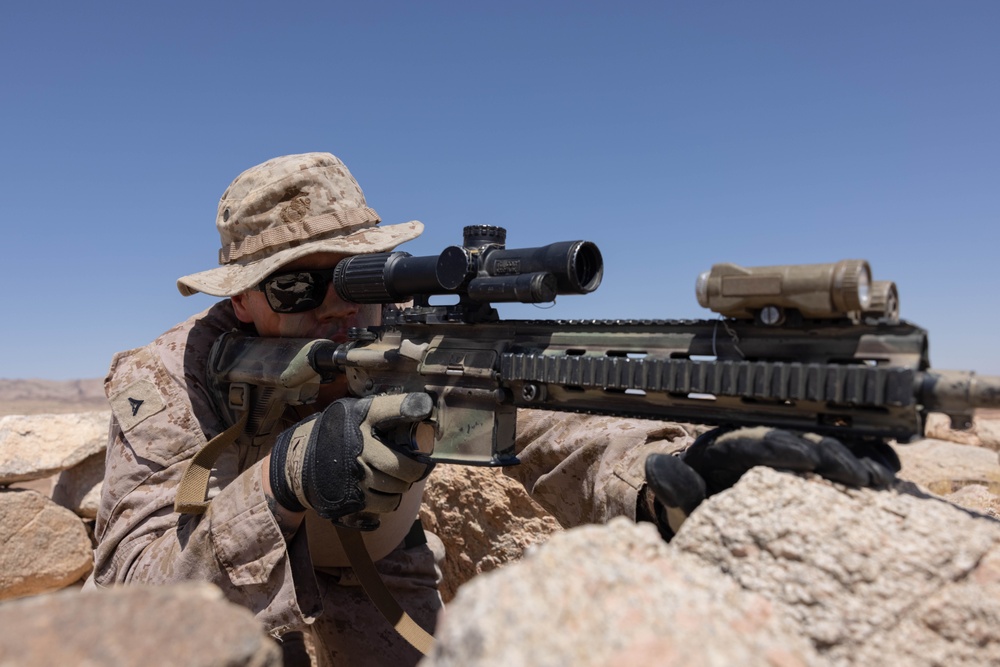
232,279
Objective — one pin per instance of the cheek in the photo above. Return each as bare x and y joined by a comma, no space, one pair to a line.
267,322
295,325
305,325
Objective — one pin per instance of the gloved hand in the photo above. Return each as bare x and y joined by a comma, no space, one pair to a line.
337,462
676,485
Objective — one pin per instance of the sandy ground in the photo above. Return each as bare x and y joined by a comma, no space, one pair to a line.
33,397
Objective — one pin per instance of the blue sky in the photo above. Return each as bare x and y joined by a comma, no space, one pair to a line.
674,135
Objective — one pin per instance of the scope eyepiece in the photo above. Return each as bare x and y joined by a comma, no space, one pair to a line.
384,277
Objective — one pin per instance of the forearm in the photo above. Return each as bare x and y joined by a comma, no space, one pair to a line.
287,520
585,468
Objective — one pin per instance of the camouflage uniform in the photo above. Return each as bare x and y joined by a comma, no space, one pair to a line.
583,469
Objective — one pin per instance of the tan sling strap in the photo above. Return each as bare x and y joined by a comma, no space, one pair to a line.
191,500
194,484
371,581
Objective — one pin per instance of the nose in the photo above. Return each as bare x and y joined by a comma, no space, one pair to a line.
333,307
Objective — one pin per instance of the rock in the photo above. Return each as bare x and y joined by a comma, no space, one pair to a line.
989,433
870,577
484,518
611,595
185,624
36,446
44,485
966,475
978,498
985,431
945,467
45,547
79,487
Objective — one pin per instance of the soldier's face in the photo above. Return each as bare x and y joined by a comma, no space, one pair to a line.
331,319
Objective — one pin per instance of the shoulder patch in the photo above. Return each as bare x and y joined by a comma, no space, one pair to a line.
133,404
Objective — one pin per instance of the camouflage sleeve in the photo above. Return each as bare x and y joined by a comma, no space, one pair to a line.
161,416
237,544
589,469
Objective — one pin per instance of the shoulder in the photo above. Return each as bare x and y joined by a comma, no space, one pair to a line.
178,355
160,389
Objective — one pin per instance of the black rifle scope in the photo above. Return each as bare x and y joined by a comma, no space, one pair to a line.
481,270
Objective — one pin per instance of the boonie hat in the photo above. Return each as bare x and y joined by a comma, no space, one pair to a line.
287,208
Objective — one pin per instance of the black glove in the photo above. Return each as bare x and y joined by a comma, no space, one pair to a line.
676,485
337,462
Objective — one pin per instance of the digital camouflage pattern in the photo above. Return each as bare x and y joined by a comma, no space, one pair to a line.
588,468
237,544
583,469
287,208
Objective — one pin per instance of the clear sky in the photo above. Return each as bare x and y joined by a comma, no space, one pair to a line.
673,134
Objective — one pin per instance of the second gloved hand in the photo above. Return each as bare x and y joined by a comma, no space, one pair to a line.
676,485
337,462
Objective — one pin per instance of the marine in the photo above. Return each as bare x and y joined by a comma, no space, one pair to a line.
264,536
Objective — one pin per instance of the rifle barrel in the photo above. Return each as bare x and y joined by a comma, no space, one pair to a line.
959,392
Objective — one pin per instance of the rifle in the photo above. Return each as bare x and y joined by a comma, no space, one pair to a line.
816,348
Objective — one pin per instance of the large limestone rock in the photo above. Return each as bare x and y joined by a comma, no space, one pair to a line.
870,577
945,467
79,488
612,595
967,475
976,497
36,446
484,518
187,624
985,431
43,547
866,577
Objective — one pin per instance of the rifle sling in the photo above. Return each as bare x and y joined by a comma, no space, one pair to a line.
191,500
371,581
194,484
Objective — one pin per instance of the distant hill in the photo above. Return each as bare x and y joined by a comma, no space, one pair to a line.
31,397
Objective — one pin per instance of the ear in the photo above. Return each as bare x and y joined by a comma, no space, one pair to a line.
241,306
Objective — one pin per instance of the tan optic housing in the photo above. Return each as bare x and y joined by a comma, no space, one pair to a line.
884,303
817,291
